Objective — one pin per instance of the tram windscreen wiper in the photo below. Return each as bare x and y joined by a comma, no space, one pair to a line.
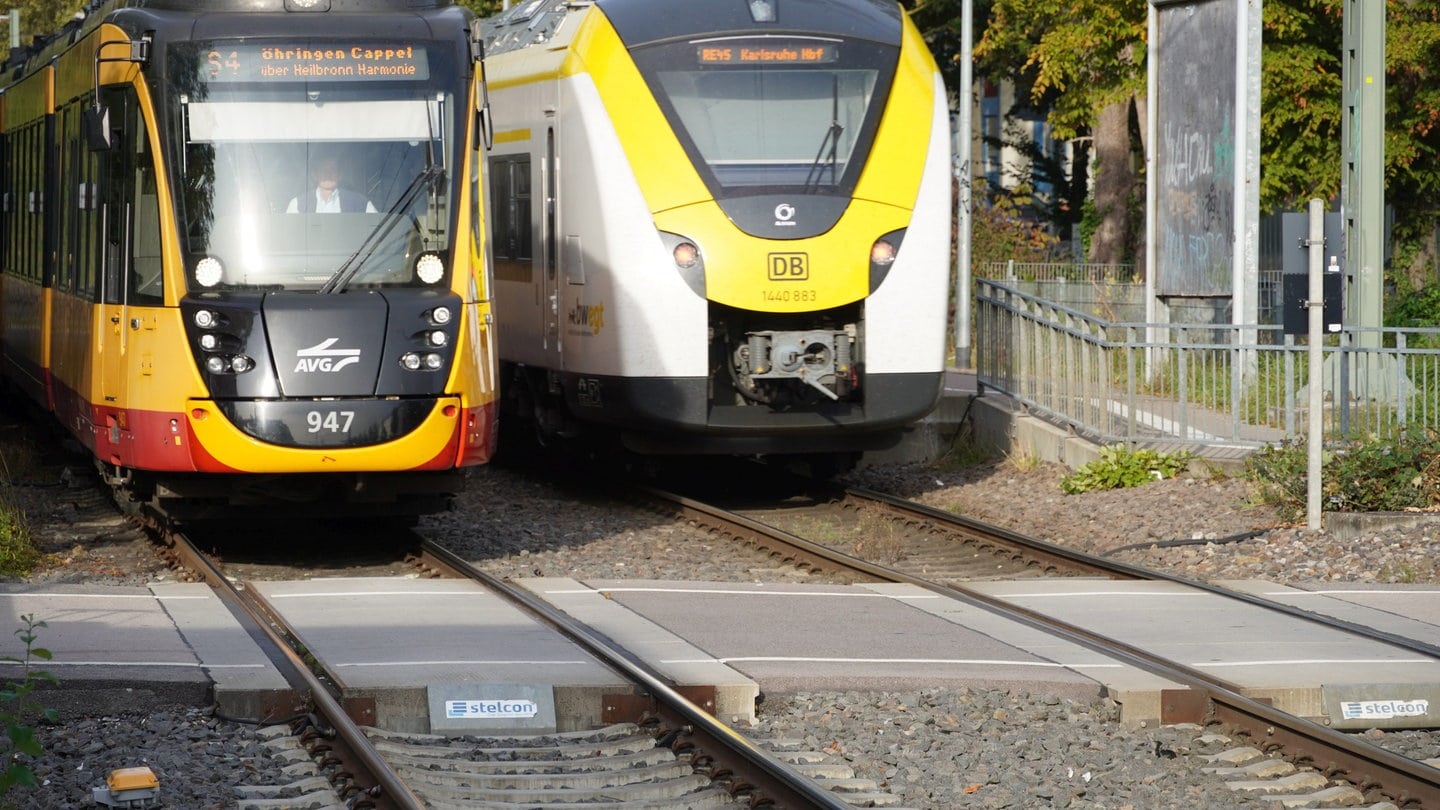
343,275
830,143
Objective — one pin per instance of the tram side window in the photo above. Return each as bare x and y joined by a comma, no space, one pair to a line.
32,200
7,203
77,207
146,274
511,210
87,184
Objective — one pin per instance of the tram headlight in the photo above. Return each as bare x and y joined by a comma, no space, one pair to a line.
429,268
209,271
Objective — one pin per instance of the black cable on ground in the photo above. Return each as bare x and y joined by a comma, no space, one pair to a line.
1194,541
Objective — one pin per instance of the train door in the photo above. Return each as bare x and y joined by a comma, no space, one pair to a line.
554,356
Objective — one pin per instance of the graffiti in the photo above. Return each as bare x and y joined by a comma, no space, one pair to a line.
1189,156
1203,255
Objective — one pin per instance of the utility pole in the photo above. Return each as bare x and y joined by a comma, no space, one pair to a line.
964,149
13,18
1362,177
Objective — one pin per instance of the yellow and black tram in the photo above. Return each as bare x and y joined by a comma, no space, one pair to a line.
173,293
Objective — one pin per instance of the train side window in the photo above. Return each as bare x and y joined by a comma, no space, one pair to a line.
510,228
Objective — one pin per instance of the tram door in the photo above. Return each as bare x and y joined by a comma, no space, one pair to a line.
131,282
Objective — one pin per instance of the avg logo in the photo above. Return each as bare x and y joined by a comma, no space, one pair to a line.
322,358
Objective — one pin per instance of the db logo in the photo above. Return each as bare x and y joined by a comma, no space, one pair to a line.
784,215
789,266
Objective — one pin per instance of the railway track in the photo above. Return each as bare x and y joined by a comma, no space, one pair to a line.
942,552
661,749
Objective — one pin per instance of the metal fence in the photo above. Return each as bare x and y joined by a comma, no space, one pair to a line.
1195,386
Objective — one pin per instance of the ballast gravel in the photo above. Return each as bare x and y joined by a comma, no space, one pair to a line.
930,749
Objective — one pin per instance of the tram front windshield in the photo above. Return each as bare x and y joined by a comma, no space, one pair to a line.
303,163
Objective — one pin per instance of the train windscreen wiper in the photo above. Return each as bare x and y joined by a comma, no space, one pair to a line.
343,275
830,142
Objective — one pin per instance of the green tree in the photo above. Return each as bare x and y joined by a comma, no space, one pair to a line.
483,8
1083,64
40,18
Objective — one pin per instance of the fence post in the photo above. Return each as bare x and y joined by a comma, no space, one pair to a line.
1316,303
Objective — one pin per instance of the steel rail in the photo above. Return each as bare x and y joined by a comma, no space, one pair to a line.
1364,764
386,790
762,772
1123,570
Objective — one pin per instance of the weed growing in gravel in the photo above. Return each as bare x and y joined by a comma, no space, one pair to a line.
1119,467
882,540
19,707
1362,475
18,553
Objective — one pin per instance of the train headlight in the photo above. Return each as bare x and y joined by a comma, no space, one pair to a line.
882,256
209,271
216,364
429,268
686,255
433,361
241,364
762,10
209,342
205,319
882,253
436,338
411,361
689,261
440,316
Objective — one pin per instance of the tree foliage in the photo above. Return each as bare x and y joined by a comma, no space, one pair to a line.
1070,59
40,18
483,8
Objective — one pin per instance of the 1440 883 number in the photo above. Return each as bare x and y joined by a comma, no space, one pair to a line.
329,421
790,295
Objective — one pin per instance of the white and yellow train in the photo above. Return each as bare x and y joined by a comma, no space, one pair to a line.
719,226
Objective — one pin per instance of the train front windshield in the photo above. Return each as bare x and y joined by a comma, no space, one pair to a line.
776,113
311,165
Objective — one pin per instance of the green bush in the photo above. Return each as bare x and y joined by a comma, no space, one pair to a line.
1120,467
1368,475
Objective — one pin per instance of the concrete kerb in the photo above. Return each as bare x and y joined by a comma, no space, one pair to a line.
1003,427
